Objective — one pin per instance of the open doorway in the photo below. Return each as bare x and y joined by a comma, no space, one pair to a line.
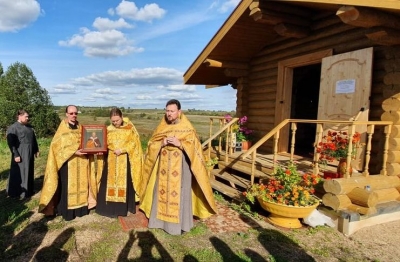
305,96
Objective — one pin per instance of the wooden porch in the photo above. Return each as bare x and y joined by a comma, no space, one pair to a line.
344,199
233,175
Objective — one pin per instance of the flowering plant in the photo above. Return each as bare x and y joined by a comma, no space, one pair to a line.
335,145
211,162
242,132
287,187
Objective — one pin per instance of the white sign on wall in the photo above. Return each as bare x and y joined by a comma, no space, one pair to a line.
345,86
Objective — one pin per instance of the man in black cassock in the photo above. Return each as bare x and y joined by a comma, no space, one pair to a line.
24,148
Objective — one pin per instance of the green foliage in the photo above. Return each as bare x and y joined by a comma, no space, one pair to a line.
287,187
194,111
19,89
101,112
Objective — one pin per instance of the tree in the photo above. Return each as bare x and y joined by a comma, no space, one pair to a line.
19,89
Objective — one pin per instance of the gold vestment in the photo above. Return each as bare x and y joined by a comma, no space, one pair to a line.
125,138
165,163
81,174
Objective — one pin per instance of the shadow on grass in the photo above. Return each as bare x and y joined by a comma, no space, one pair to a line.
279,246
147,242
17,234
55,251
227,254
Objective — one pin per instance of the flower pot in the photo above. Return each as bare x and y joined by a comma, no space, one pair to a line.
246,145
342,167
286,216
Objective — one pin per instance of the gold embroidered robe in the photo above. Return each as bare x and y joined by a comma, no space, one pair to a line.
81,173
165,163
127,139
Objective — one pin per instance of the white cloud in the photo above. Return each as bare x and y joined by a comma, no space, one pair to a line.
17,14
104,24
111,11
63,89
109,43
144,97
150,76
108,91
228,6
188,88
149,12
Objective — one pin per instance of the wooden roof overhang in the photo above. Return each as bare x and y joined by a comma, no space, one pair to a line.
255,24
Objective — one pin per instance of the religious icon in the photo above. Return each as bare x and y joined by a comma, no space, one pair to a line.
94,138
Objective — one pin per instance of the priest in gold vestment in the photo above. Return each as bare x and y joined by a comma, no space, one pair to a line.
122,170
178,186
70,183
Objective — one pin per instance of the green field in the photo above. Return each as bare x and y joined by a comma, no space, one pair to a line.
146,120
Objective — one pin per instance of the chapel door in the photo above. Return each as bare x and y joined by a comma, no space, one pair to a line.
345,89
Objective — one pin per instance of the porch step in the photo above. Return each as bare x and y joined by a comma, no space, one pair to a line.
244,169
227,190
234,180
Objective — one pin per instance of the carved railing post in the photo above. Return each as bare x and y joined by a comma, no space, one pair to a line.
370,132
318,138
388,130
293,142
276,140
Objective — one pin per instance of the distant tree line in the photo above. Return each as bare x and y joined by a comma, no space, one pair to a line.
19,89
209,112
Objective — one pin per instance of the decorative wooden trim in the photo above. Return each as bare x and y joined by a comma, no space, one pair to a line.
225,64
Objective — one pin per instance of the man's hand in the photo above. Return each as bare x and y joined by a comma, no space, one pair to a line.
17,159
172,140
118,152
80,153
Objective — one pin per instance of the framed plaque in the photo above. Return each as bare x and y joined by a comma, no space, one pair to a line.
94,139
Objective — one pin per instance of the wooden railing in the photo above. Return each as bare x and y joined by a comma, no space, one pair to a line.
225,128
351,125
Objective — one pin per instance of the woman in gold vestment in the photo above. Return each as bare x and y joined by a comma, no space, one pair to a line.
122,168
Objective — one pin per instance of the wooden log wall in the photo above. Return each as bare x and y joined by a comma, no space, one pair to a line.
391,105
352,194
257,97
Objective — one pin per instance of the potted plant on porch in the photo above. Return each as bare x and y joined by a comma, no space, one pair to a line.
334,146
288,196
243,134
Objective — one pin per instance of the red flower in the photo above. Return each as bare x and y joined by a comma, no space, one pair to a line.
335,145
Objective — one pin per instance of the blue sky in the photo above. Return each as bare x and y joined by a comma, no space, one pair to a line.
115,52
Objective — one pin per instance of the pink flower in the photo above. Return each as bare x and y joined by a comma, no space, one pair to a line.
228,117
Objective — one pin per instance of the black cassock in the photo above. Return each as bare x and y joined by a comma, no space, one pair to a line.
22,142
